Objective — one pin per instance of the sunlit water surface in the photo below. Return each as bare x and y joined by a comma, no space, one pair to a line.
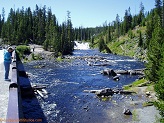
66,81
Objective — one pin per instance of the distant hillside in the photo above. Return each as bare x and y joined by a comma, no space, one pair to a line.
128,44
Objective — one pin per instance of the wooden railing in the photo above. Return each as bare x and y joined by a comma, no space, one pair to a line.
13,111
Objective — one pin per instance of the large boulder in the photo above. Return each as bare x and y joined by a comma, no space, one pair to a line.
105,92
109,72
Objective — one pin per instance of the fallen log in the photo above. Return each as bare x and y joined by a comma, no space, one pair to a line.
109,92
38,88
105,92
91,91
44,91
101,64
111,72
40,93
121,71
126,92
134,72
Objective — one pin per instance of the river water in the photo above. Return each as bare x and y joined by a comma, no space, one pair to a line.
66,81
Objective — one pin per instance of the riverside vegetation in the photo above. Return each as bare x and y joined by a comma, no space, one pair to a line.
144,41
140,36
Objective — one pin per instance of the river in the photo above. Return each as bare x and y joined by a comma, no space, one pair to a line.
66,81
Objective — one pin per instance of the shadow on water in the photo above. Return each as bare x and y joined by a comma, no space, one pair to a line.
32,111
66,81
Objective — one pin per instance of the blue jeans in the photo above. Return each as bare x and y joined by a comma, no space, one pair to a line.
7,69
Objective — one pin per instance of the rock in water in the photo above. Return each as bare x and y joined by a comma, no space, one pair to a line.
105,92
127,111
116,78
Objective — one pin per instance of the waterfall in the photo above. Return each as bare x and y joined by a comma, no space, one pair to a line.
81,45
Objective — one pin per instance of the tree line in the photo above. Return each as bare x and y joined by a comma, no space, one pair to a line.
112,31
155,53
23,26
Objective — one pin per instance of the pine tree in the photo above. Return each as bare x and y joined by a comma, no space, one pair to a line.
48,34
127,23
117,26
134,21
101,44
141,15
149,28
4,26
129,19
3,15
0,25
163,14
159,86
108,38
158,5
154,52
69,33
140,43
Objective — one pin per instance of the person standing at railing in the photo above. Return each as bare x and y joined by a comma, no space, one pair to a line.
7,62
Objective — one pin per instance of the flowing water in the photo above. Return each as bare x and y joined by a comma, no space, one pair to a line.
66,81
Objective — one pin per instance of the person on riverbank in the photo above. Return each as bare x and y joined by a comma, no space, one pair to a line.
7,62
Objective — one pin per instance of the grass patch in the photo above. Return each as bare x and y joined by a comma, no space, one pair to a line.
150,88
59,59
127,87
149,103
134,84
135,115
115,47
138,82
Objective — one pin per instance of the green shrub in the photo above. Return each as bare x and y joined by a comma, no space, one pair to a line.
22,50
36,56
149,103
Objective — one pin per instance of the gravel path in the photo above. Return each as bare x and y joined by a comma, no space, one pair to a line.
147,115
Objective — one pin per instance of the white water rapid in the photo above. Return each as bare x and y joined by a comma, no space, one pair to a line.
81,45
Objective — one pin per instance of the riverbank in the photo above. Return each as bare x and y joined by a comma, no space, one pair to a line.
38,53
147,113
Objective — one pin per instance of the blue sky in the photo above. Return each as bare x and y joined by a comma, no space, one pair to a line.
85,13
